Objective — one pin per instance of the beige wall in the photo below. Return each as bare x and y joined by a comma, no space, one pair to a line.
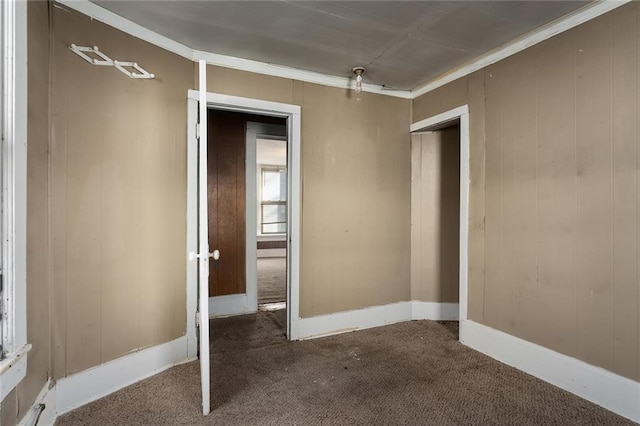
15,406
435,215
118,197
107,197
553,237
355,190
553,140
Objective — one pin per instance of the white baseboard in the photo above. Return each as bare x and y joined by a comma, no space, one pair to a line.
232,304
602,387
277,252
434,311
89,385
359,319
43,410
375,316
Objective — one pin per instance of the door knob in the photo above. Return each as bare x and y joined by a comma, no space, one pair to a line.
193,255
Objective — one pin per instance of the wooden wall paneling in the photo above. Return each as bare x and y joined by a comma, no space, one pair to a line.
556,193
493,298
594,332
516,284
431,208
117,175
449,220
317,276
441,99
240,227
356,201
84,220
435,215
624,126
506,290
39,292
476,243
520,128
416,218
120,231
58,200
226,217
10,406
249,85
637,119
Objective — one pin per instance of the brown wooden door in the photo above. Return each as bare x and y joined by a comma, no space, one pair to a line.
226,197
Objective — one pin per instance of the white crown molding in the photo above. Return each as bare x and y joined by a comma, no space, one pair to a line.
103,15
545,32
582,15
293,73
116,21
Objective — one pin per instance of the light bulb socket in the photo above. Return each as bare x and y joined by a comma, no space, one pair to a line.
358,71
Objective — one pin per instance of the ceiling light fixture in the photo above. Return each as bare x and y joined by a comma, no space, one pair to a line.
358,71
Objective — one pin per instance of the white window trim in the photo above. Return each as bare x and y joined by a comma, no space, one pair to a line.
13,18
270,236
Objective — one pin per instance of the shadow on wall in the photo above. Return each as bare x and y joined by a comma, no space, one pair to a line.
449,217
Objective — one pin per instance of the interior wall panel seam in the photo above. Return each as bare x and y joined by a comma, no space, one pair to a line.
576,186
536,232
613,186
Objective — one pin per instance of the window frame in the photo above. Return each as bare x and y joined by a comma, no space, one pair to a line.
262,202
13,183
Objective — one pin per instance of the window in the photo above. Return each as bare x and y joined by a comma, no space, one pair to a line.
13,194
273,200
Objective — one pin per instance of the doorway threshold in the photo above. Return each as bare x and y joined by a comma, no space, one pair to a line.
268,307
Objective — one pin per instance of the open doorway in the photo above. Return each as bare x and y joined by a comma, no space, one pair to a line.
290,115
247,190
435,216
271,232
457,120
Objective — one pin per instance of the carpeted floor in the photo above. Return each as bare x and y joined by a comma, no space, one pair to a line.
412,373
272,280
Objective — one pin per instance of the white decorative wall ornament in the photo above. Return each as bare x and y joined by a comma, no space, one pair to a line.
130,69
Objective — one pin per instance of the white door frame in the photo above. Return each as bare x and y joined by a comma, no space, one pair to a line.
432,123
273,109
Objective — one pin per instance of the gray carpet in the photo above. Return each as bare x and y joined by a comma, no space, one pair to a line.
272,280
409,373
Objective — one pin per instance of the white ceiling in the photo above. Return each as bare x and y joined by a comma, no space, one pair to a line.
402,44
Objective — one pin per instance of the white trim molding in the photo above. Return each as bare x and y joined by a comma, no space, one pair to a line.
375,316
192,233
460,113
293,115
294,74
43,410
434,311
565,23
69,393
103,15
588,12
13,217
602,387
229,305
12,370
89,385
359,319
